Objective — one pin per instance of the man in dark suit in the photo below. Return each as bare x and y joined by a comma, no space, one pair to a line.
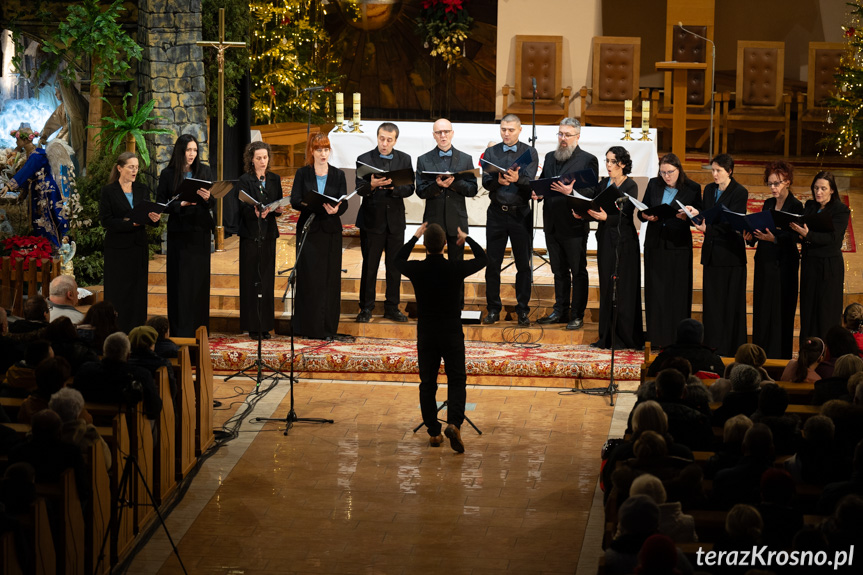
445,194
438,285
381,220
565,235
508,217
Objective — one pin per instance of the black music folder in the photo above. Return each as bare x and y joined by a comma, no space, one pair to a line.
583,179
403,177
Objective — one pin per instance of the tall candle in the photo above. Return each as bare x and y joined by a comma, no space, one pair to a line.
645,115
340,108
627,115
356,118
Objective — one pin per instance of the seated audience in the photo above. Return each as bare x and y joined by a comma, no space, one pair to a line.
836,386
18,488
68,403
742,483
743,529
853,383
852,320
99,322
51,376
781,519
658,556
730,452
113,380
754,355
772,404
839,341
844,530
689,345
848,422
164,346
816,461
743,397
142,340
685,424
36,316
833,492
63,298
672,521
65,342
20,380
804,369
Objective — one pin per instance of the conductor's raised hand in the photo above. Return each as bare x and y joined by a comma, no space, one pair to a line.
332,209
421,230
461,237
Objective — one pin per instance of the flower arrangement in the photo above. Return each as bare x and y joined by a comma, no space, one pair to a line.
443,26
30,248
24,134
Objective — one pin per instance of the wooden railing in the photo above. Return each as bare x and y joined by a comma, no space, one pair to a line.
13,276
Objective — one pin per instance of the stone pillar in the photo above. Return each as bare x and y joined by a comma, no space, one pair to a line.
172,73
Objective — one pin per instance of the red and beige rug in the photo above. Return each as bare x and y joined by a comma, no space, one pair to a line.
366,355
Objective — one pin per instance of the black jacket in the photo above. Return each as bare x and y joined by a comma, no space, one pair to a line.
556,214
110,382
671,233
446,206
272,191
114,209
517,194
336,187
701,357
724,247
826,244
197,218
383,208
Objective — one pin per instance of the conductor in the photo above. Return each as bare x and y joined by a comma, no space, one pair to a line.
438,285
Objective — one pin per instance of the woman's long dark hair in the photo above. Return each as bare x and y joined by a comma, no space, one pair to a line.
249,155
103,317
178,159
811,350
673,160
831,180
122,160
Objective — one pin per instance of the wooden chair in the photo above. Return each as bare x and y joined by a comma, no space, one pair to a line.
539,57
616,73
759,103
203,392
824,60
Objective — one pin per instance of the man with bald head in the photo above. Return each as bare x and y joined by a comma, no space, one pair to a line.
445,194
63,298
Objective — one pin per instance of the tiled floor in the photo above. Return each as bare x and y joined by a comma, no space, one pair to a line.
366,495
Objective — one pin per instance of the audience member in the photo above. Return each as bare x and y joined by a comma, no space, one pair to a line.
18,488
142,340
20,380
51,376
833,492
804,369
848,422
844,531
164,346
99,322
852,320
743,397
754,355
836,386
65,342
742,483
35,316
689,345
658,556
781,519
685,424
839,341
68,403
853,383
816,461
114,381
743,529
672,521
772,406
63,298
730,452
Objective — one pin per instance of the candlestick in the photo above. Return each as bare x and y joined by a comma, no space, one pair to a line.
645,121
340,112
356,117
627,120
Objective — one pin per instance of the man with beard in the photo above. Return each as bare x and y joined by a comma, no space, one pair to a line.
382,223
565,235
508,217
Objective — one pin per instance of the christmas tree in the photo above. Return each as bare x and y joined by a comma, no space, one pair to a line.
846,104
290,51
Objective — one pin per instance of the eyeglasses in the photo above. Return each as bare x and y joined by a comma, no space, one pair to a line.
612,162
565,135
669,173
442,132
775,184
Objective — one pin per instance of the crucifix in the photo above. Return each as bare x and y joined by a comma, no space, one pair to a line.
221,46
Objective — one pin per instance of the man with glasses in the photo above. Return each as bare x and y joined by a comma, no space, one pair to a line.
381,221
445,194
565,235
508,217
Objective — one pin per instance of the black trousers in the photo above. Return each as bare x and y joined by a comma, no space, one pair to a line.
568,258
372,247
188,266
515,225
455,253
434,345
254,281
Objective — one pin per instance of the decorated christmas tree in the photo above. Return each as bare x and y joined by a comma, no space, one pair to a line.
290,51
846,104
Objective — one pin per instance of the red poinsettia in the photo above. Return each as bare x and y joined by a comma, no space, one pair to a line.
29,248
849,33
453,5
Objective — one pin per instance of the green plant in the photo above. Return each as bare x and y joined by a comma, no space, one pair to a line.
118,127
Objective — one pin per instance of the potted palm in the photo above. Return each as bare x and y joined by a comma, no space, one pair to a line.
128,128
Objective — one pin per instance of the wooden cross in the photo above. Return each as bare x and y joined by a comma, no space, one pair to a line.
221,46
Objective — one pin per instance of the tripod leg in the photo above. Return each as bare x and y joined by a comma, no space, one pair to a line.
441,407
466,418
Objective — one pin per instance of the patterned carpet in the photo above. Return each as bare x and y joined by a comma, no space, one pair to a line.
365,355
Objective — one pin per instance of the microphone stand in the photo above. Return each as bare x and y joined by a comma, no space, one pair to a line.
532,141
712,85
291,417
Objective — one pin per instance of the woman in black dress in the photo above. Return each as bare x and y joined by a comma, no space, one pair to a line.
723,257
189,229
668,252
822,272
630,329
125,250
258,233
317,299
777,259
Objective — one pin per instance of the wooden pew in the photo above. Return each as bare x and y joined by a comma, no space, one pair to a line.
69,547
9,555
164,459
98,513
37,528
184,411
203,392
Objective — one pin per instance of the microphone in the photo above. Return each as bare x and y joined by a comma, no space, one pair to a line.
308,223
620,201
312,89
533,82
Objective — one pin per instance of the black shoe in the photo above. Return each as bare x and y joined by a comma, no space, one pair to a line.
523,319
254,334
554,317
395,315
365,316
597,344
577,323
266,335
491,317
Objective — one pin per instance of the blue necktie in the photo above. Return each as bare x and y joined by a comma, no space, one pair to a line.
387,157
509,148
445,154
718,193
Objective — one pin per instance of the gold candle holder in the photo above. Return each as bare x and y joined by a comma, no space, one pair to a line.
340,112
356,117
627,120
645,121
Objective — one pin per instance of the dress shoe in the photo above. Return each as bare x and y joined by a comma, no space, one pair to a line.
266,335
365,316
554,317
576,323
435,440
523,319
597,344
491,317
454,435
395,315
